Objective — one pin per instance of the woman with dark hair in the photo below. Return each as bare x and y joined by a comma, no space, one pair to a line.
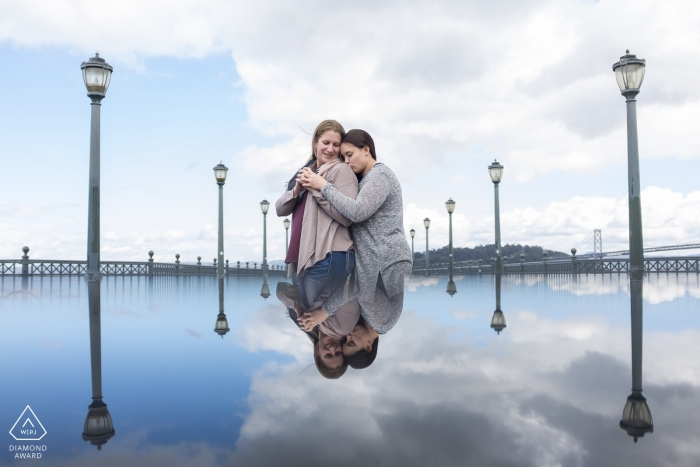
383,257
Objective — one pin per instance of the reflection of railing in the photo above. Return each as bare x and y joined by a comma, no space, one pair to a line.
33,267
574,265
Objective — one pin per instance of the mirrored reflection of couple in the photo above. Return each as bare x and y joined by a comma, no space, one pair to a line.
348,253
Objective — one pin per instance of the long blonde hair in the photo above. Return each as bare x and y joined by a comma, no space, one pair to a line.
324,126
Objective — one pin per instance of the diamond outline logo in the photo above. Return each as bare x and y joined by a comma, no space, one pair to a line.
30,422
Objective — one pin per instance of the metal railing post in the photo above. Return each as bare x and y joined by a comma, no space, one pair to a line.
150,264
25,262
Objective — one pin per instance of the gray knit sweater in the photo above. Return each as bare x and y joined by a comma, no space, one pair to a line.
382,254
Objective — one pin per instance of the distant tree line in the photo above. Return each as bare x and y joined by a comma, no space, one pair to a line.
511,254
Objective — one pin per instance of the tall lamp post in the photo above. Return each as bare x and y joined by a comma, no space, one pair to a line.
413,234
496,172
451,287
264,206
96,75
220,172
426,223
636,416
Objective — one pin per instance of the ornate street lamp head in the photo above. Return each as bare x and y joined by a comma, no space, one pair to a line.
451,288
629,73
221,327
498,321
98,427
220,172
264,206
426,222
496,172
413,233
450,205
96,75
287,223
636,416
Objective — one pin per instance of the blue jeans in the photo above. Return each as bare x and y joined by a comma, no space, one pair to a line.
325,276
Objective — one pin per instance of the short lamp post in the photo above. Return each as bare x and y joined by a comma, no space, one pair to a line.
426,223
496,172
636,416
96,75
451,287
264,206
413,235
286,223
220,172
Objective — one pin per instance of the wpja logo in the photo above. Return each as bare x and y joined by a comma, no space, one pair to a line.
28,428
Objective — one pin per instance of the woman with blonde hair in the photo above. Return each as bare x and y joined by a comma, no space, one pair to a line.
321,253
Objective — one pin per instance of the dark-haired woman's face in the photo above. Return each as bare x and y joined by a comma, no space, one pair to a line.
356,158
358,339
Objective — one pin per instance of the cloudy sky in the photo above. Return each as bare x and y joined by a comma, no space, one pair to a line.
444,87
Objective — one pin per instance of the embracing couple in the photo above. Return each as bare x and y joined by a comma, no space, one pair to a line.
348,249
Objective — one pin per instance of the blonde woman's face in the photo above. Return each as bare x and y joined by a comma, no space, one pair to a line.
328,147
331,351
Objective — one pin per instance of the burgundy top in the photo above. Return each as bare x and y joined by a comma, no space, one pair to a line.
297,221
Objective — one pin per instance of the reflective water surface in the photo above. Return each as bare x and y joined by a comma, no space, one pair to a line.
445,388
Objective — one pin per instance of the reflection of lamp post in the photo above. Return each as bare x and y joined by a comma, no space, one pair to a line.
96,75
98,427
221,327
450,205
498,321
264,206
413,234
265,291
636,416
426,223
496,172
220,172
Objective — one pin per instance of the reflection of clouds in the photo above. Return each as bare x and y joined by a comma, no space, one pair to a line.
50,344
551,393
127,313
270,329
415,282
462,314
657,287
193,333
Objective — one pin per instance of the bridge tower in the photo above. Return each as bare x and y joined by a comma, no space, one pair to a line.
598,243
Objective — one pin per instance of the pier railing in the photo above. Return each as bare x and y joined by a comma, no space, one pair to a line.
25,266
568,266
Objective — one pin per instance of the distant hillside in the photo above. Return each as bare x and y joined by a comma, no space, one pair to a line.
511,254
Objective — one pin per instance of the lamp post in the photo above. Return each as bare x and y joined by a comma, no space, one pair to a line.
629,73
286,223
451,287
413,234
220,172
426,223
264,206
496,172
96,75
